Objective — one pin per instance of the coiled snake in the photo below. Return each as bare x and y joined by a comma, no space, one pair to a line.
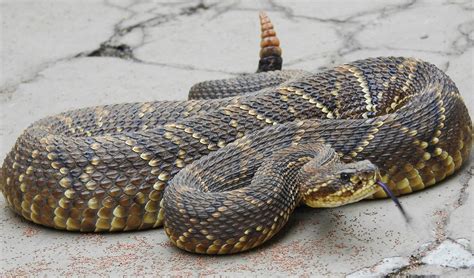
262,144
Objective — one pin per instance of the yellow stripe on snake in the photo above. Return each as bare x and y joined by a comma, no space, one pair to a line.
224,170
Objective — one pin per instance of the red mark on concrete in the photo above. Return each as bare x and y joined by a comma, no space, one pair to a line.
29,232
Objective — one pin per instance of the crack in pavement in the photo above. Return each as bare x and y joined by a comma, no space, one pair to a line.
347,30
415,260
443,215
112,48
121,51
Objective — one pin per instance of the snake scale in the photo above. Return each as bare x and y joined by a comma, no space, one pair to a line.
224,170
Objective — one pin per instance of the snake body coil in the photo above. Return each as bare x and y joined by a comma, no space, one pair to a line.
106,168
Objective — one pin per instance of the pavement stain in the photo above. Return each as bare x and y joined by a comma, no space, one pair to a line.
28,270
91,238
29,231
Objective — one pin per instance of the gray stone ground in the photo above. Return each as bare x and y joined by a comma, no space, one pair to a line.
50,64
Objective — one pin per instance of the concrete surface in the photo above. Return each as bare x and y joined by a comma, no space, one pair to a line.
53,60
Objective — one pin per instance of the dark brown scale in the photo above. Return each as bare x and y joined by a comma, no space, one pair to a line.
244,84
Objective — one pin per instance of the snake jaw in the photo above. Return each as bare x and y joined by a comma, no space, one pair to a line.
341,197
337,191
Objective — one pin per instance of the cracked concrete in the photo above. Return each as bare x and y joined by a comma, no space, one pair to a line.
59,55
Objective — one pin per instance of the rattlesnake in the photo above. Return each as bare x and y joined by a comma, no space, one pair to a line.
322,139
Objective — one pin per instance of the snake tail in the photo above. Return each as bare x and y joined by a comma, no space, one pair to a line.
270,51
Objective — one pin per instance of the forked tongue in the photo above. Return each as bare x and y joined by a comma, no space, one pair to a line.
394,199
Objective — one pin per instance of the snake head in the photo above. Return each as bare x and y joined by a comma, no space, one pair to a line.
338,184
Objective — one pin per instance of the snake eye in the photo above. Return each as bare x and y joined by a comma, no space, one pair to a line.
345,176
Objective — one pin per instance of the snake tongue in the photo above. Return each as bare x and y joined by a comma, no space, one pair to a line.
394,199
